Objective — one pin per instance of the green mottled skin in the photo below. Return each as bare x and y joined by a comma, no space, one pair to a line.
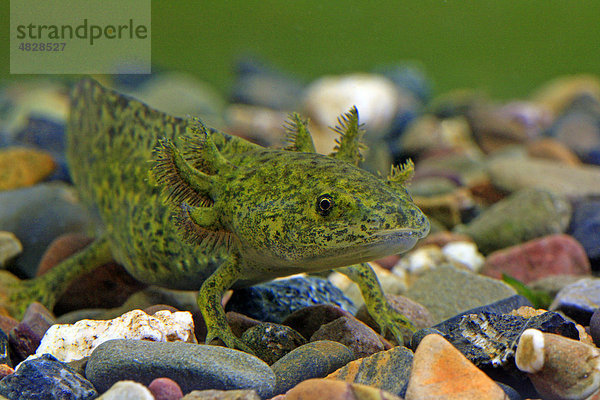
214,211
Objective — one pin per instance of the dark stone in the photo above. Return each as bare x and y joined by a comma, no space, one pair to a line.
511,393
420,334
192,366
46,378
579,300
273,301
308,320
25,337
4,352
271,341
585,227
313,360
595,327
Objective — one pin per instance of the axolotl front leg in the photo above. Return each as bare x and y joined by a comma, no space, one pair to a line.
386,317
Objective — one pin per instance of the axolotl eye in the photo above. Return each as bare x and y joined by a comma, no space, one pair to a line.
324,204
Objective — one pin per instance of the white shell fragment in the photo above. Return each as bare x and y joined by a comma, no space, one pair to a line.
530,351
73,342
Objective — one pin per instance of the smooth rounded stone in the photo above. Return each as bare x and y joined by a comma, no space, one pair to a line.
262,85
39,214
192,366
585,227
7,323
222,395
73,342
558,254
556,94
5,370
312,360
10,247
336,390
432,186
260,125
559,368
357,336
579,300
309,319
510,392
46,378
467,168
440,239
239,323
525,215
595,327
22,167
415,312
165,389
25,338
552,149
271,341
127,390
447,291
573,182
273,301
387,370
4,349
449,209
553,284
492,129
430,133
489,340
440,371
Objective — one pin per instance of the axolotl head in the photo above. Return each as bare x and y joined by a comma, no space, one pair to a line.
290,210
317,212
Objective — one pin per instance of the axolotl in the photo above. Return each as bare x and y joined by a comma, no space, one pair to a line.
183,206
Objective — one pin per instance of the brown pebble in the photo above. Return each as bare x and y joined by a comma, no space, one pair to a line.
317,389
5,370
552,149
21,167
357,336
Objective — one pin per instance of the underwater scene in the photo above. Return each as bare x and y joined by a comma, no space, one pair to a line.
300,200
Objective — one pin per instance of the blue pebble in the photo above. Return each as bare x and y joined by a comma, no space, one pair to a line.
585,227
273,301
43,133
46,378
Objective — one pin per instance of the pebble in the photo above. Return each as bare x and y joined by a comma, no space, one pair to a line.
74,342
524,215
4,349
557,254
165,389
10,247
585,227
559,368
429,133
257,124
448,208
46,378
595,326
271,341
222,395
127,390
309,319
5,370
447,291
492,129
107,286
25,338
239,323
440,371
192,366
273,301
560,92
357,336
22,167
579,300
552,149
574,182
313,360
336,390
39,214
387,370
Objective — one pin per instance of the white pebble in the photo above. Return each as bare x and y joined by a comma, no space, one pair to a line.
530,351
465,253
127,390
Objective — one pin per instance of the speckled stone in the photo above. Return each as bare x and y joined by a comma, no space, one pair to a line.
357,336
337,390
10,247
222,395
447,291
579,300
524,215
192,366
39,214
440,371
273,301
26,337
127,390
4,349
387,370
46,378
313,360
574,182
309,319
271,341
551,255
165,389
22,167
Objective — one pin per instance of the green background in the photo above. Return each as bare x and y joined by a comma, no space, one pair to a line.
504,47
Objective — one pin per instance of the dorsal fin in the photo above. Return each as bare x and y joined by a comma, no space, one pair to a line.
298,138
348,145
181,182
402,174
201,152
